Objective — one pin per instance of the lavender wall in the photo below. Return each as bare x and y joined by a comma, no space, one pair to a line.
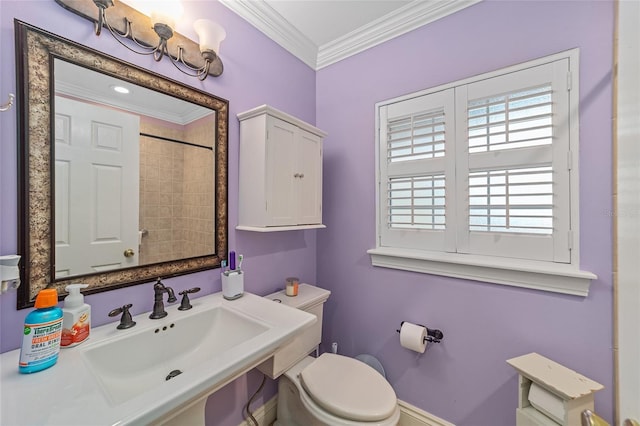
257,71
465,379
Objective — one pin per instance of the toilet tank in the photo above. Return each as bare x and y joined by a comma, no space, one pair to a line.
310,299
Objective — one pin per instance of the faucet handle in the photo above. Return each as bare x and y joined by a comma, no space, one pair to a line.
125,321
185,304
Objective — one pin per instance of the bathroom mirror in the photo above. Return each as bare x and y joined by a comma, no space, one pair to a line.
151,202
133,174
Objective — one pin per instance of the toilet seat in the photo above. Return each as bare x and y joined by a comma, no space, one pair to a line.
348,388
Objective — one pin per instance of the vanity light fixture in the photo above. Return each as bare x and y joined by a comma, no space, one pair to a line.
155,35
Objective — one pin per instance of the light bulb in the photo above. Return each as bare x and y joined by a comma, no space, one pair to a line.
210,34
166,12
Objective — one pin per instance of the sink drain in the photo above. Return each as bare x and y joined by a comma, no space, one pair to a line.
173,374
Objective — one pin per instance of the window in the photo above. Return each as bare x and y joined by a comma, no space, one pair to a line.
477,178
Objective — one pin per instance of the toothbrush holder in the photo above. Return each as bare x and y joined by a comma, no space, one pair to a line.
232,284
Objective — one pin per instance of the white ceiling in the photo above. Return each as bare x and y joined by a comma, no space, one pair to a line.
326,20
322,32
94,87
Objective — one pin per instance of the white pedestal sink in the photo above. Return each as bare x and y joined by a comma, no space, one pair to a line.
158,372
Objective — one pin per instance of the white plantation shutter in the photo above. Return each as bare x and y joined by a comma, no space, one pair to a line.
478,179
516,200
418,145
481,167
416,137
417,202
514,120
512,175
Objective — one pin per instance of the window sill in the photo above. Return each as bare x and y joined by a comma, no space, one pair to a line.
557,278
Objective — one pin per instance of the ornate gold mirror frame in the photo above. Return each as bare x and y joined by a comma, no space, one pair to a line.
36,50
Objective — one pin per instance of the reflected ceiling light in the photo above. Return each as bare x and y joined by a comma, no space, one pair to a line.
155,35
120,89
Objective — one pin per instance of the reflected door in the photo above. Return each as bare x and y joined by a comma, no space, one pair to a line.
97,159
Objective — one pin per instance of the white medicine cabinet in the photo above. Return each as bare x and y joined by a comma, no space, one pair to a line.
280,172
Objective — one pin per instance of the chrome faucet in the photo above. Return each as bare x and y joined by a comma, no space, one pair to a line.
158,306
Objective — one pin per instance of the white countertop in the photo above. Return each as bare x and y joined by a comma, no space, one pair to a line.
69,394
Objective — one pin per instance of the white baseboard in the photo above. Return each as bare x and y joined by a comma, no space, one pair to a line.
410,415
265,415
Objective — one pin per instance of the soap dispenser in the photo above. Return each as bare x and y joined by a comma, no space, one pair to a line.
76,324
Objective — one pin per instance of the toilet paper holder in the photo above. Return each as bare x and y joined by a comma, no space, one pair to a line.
433,335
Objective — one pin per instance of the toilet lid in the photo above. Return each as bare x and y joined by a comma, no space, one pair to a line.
348,388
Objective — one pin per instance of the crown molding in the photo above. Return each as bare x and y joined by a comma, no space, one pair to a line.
273,25
405,19
394,24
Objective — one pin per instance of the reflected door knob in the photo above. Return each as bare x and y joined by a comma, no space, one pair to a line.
129,253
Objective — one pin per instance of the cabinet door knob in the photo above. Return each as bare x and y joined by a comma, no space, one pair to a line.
296,175
129,253
301,175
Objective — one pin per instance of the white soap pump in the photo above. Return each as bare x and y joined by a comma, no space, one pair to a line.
76,324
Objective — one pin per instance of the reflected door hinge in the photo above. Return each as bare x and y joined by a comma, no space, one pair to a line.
570,239
570,160
569,81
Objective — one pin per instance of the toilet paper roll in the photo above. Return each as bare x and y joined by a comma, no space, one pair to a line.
412,336
547,402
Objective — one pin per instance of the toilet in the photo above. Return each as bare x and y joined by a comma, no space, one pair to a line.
330,390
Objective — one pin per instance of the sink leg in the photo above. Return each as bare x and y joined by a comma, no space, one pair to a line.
192,415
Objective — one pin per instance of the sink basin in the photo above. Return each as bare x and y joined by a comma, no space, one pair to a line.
158,372
135,363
